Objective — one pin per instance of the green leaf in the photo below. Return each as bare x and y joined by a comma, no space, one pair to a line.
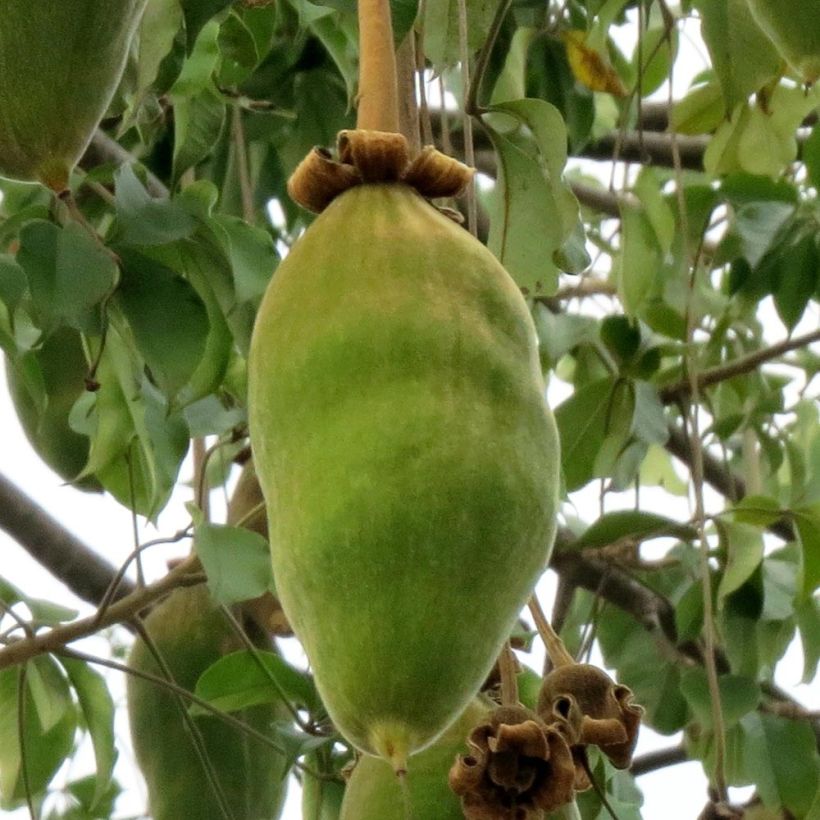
808,622
98,710
743,57
37,256
796,270
85,272
45,750
583,420
649,419
639,261
12,282
236,681
757,510
699,112
811,156
441,40
197,13
807,522
738,696
632,525
198,124
49,691
147,221
168,319
160,23
781,759
236,560
743,546
534,213
758,224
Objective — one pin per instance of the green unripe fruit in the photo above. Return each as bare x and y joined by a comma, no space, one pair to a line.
375,793
60,63
407,457
44,385
794,28
191,634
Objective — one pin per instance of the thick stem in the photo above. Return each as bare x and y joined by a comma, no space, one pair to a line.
378,95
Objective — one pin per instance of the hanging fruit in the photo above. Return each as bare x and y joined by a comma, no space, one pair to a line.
374,793
60,63
191,634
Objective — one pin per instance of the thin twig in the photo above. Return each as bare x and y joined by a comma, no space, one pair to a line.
469,148
745,364
20,651
243,172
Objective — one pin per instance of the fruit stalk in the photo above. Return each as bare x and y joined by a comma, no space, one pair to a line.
378,94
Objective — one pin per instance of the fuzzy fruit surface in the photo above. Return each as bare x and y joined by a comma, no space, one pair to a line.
794,28
191,634
375,793
407,457
60,63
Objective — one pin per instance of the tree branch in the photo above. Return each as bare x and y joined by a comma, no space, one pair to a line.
745,364
188,573
103,149
81,569
652,761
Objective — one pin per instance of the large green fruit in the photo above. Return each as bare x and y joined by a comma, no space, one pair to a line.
192,634
794,28
407,457
44,385
60,62
375,793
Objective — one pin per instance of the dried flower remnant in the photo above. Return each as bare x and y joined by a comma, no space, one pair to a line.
588,707
517,768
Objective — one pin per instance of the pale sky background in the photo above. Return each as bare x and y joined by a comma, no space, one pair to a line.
674,793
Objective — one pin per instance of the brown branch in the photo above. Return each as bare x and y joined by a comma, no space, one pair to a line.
738,367
185,574
659,759
104,149
84,572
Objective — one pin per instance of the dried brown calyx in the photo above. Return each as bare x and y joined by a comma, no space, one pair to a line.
517,768
374,157
588,707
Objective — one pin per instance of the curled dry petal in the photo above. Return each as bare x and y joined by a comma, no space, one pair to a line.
587,706
517,768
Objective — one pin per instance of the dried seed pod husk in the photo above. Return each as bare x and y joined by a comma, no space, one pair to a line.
517,768
589,707
191,634
406,455
60,63
374,792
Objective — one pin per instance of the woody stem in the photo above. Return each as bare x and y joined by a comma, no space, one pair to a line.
378,94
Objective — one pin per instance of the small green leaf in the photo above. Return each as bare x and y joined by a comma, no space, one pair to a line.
167,317
236,682
632,525
534,213
757,510
743,546
236,560
738,696
441,39
144,220
197,13
49,691
98,710
582,424
12,282
781,759
700,111
198,122
807,522
85,272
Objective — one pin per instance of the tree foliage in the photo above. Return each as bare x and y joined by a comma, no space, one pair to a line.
676,308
